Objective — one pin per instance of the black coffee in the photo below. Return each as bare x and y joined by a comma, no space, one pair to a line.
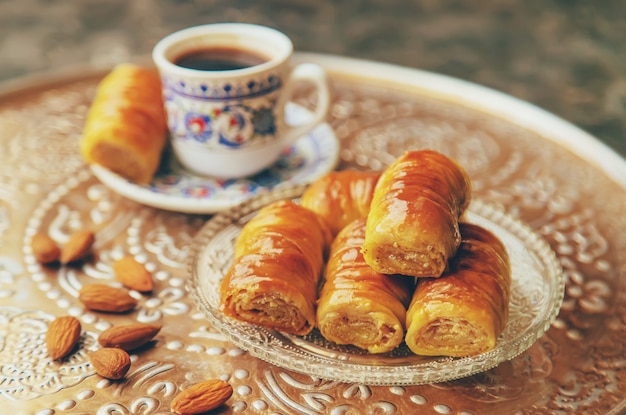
219,59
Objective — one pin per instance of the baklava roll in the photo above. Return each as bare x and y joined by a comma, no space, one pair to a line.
463,312
412,227
126,130
357,305
279,259
341,196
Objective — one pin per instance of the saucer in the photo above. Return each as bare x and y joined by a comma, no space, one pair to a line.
176,189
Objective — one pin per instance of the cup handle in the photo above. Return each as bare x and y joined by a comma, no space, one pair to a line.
314,74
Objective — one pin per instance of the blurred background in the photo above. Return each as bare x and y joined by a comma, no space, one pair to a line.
566,56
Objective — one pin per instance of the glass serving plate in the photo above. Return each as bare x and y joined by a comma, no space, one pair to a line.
536,296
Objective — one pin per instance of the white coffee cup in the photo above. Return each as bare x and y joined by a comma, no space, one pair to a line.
225,88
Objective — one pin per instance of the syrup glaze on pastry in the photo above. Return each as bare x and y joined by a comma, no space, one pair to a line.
357,305
340,197
279,259
463,312
125,130
412,226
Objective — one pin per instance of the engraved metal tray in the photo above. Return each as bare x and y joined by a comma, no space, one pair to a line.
565,185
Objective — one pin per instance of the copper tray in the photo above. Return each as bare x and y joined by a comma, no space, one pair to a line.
564,184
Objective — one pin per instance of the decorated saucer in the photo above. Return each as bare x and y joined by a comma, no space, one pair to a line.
176,189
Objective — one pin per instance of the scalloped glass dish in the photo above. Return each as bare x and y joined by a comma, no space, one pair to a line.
537,294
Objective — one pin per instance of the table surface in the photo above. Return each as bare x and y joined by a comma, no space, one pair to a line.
550,176
565,56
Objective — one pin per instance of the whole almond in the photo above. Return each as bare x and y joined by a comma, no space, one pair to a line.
202,397
133,274
128,337
62,336
102,297
110,362
45,249
77,247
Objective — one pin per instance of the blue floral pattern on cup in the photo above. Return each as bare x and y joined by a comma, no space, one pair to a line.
264,121
222,116
198,126
233,125
224,92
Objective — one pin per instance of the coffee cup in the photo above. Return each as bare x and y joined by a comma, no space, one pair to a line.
225,89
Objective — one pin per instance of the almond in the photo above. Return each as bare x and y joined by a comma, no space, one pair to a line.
45,249
202,397
77,247
110,362
62,336
128,337
102,297
132,274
